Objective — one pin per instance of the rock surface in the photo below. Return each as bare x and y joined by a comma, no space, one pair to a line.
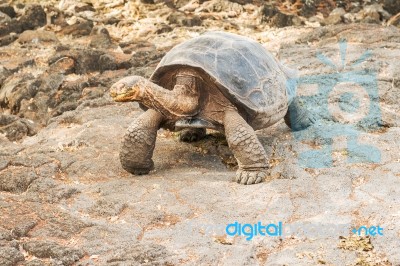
65,200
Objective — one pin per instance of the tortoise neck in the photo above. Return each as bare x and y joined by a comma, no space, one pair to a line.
182,101
188,80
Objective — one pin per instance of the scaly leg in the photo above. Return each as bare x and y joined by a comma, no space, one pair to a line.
247,149
138,143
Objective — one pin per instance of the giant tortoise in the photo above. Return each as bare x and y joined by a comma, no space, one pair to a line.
217,80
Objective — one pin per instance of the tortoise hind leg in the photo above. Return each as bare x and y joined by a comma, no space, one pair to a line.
192,134
247,149
138,143
298,117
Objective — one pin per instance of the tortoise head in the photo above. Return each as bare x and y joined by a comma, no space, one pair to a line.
183,100
128,89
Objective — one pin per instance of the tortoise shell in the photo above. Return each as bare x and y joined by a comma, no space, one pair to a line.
245,72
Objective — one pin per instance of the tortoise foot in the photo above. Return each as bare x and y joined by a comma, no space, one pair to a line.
249,177
138,143
138,170
298,117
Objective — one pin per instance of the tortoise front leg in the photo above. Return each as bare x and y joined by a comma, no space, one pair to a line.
138,143
247,149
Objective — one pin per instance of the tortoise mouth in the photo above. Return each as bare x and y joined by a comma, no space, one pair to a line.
122,97
121,93
126,89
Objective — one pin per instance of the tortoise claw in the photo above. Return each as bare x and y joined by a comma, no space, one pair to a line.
249,177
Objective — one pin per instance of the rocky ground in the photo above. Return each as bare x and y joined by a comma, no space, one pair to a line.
65,200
